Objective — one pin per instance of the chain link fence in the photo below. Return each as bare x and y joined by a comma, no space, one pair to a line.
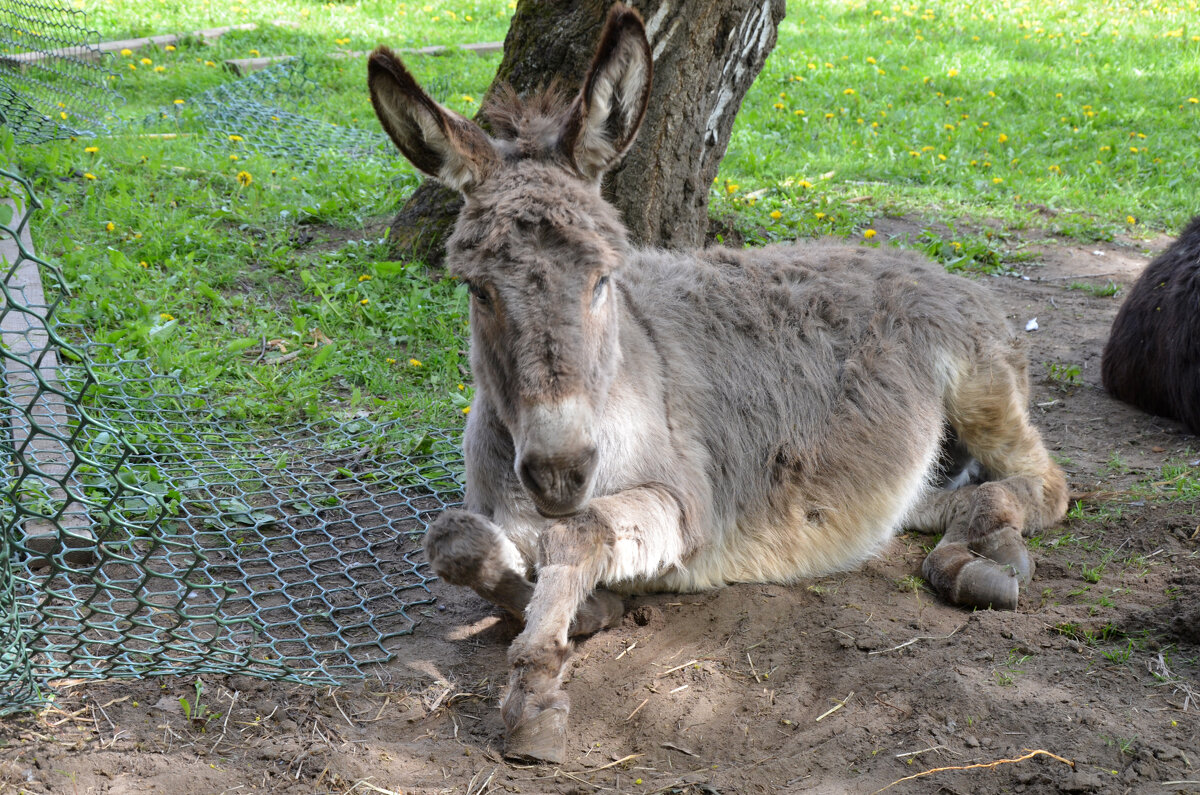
140,533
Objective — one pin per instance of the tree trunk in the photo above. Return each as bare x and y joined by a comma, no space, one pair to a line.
706,55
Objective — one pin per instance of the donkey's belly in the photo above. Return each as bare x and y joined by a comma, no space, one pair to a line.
807,535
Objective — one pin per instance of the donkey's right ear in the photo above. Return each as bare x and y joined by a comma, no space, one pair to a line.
436,140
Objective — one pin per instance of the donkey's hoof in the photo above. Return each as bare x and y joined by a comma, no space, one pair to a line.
602,610
541,737
1006,547
982,583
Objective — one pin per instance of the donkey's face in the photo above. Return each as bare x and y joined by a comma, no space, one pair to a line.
538,247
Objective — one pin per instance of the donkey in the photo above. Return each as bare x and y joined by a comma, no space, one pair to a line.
673,421
1152,358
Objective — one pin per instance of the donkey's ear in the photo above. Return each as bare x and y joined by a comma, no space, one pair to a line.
437,140
608,111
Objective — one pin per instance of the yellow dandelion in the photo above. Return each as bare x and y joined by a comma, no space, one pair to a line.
996,180
730,187
415,362
798,112
233,157
147,62
165,316
871,60
828,116
869,233
110,226
133,66
170,48
466,410
390,360
178,101
143,264
160,69
63,114
468,98
1002,138
1129,219
91,150
126,53
366,277
210,63
89,175
462,387
778,106
804,183
236,138
952,73
849,92
244,178
254,53
941,157
364,301
1193,100
819,216
776,214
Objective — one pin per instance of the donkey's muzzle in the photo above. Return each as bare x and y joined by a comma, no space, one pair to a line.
559,484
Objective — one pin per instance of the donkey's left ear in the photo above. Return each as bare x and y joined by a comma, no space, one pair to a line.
609,109
435,139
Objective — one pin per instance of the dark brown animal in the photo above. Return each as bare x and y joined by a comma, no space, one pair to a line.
648,420
1152,358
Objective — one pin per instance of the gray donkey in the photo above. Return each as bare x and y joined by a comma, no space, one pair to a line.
672,421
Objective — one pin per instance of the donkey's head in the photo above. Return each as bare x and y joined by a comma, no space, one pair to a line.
537,245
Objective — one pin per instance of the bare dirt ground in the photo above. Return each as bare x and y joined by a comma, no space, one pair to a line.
849,684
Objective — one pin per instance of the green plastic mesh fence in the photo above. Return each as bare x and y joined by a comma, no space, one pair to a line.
261,110
145,535
140,533
53,78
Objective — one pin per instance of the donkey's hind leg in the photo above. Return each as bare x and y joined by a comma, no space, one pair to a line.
982,560
464,548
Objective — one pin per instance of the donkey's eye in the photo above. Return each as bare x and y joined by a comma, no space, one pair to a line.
479,294
598,290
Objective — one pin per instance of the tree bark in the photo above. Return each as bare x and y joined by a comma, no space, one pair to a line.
706,55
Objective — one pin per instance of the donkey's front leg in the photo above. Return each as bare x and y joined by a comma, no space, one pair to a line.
633,534
464,548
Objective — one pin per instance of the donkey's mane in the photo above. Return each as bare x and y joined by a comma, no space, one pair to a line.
534,122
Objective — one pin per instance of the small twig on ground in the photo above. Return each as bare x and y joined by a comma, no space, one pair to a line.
333,695
676,668
680,749
988,765
611,764
918,753
914,640
371,787
837,705
482,787
628,649
638,708
1078,276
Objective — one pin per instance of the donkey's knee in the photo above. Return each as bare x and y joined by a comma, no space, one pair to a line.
464,548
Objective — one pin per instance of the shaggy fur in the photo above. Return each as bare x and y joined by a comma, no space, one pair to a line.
649,420
1152,358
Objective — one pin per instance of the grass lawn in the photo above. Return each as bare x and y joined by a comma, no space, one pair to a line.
264,281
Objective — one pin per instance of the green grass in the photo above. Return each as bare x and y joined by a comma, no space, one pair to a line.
267,285
955,110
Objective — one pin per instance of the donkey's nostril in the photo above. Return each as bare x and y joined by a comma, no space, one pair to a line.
534,475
